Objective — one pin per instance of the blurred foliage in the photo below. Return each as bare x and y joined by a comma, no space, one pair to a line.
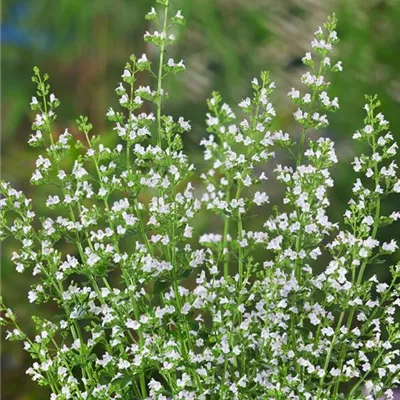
85,44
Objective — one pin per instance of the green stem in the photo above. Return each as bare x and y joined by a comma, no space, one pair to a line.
299,238
240,237
328,356
362,379
225,237
126,278
160,75
364,264
301,147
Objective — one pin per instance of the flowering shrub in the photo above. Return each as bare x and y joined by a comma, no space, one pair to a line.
151,309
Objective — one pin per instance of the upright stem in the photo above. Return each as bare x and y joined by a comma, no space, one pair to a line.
75,328
304,130
301,147
126,278
328,356
299,238
160,74
225,238
240,237
364,264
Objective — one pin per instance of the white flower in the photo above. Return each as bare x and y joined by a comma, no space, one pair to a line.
154,385
245,103
52,200
179,14
368,129
92,259
123,364
142,59
36,176
338,66
78,171
32,296
124,99
328,331
110,112
390,247
184,124
381,287
188,231
131,324
298,114
126,74
294,94
260,198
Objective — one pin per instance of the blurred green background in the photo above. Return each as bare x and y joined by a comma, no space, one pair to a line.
84,45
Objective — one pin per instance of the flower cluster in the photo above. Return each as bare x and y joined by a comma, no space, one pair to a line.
149,308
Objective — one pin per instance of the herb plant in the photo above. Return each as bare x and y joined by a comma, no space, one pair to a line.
149,308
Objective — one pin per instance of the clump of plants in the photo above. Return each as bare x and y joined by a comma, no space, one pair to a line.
151,308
